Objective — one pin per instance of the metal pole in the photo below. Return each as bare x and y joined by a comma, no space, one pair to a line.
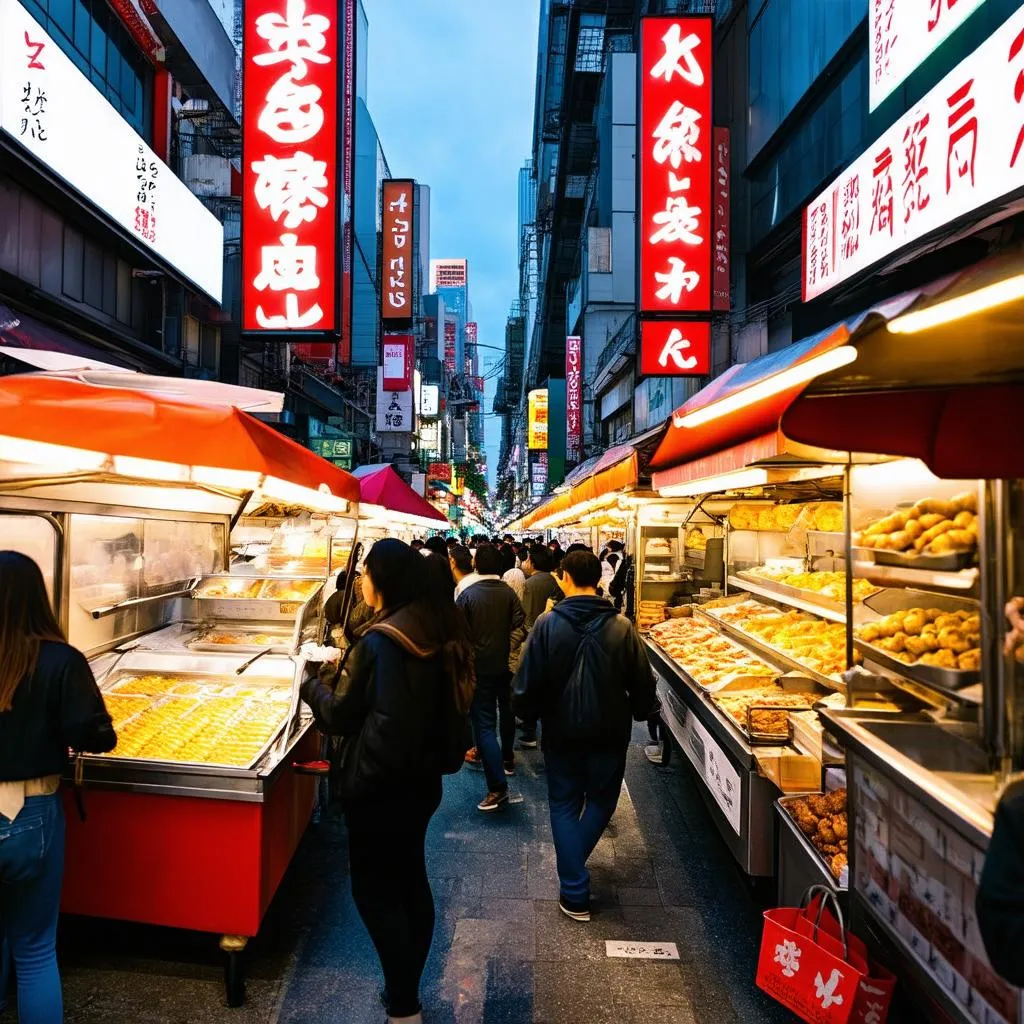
848,543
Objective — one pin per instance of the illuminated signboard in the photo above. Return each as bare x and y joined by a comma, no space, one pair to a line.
675,221
960,148
397,352
397,206
49,108
290,212
574,398
680,348
537,420
903,33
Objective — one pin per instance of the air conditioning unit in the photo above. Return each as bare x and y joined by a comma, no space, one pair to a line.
207,174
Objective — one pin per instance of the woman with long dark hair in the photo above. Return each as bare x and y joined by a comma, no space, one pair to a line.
49,702
412,664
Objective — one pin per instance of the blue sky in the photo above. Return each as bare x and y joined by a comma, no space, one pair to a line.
453,106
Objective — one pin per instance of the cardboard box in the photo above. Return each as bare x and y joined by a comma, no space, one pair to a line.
792,772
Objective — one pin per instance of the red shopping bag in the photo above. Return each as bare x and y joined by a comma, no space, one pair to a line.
806,969
874,994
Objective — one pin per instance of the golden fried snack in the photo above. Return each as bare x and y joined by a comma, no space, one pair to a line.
952,639
825,832
969,661
963,519
837,864
869,540
940,659
936,506
818,804
840,826
929,520
914,622
898,643
900,540
870,633
966,502
929,535
914,528
836,801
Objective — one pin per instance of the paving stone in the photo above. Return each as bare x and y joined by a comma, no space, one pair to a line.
561,939
630,896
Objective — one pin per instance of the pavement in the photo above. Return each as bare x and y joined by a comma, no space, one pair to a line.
503,953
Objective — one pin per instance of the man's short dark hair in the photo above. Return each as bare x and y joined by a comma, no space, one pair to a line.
541,558
576,547
488,560
462,558
615,545
450,543
437,545
583,568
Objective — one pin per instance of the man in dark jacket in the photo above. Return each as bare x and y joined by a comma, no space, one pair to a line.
498,627
584,773
541,587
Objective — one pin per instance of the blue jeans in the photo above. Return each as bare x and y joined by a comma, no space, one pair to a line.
583,790
492,692
31,872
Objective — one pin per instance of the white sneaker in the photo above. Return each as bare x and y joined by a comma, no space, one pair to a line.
654,753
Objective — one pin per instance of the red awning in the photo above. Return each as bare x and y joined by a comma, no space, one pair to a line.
381,485
760,419
118,422
959,433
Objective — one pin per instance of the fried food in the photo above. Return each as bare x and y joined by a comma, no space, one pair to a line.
934,526
928,636
822,817
708,657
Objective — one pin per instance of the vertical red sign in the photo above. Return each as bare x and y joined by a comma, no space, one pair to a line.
289,192
680,348
396,358
675,144
574,399
397,211
720,278
348,155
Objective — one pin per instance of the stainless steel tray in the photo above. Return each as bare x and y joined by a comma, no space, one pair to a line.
284,646
114,677
953,562
949,679
782,804
828,607
769,653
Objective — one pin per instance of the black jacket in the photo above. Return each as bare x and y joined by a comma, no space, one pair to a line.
540,587
57,707
388,703
497,624
548,660
1000,900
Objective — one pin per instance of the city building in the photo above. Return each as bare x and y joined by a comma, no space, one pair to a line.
132,259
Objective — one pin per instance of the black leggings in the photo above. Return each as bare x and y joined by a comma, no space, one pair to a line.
391,891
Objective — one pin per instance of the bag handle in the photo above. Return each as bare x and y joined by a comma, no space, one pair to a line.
827,896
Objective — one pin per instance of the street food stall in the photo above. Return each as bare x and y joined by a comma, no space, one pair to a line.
126,500
922,733
389,507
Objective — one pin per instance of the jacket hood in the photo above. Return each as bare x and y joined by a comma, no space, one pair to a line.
407,629
582,610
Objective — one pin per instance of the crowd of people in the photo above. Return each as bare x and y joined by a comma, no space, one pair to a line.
444,649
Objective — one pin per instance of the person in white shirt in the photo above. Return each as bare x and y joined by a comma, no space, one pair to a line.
515,577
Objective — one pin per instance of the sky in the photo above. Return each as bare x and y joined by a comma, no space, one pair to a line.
453,106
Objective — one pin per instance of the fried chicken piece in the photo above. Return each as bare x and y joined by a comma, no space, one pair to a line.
840,826
807,824
838,862
818,805
837,801
825,832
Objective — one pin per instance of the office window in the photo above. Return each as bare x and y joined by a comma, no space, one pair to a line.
791,43
89,32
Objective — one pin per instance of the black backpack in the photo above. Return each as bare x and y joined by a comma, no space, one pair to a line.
591,704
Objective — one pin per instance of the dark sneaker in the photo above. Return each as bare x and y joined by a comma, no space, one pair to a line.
510,767
493,802
578,910
474,760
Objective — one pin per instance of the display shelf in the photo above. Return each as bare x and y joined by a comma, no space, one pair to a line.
808,848
949,682
965,581
792,597
769,653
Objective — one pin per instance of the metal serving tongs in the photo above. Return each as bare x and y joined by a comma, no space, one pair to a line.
252,661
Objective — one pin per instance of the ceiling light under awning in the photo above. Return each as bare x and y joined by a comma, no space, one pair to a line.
977,301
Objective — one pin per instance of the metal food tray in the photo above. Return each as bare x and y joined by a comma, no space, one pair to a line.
953,562
714,688
769,653
119,674
286,645
949,679
809,848
785,591
769,738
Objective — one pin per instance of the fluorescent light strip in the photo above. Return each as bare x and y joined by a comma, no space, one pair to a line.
55,457
712,485
777,383
963,305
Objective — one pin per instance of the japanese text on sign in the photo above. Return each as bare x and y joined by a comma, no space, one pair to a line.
396,291
721,279
574,398
394,408
449,346
537,420
903,33
675,220
957,150
680,348
290,174
397,352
